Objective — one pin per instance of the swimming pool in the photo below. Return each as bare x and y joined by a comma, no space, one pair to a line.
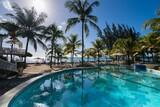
110,86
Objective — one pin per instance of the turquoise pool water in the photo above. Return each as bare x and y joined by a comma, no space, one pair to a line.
112,86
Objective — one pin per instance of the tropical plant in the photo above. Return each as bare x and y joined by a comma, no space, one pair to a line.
30,25
110,35
88,53
98,47
150,44
125,46
72,45
106,52
58,53
53,34
11,29
154,23
120,38
83,11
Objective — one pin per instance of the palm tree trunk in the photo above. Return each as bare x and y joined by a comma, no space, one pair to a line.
148,57
51,57
152,57
54,56
98,58
82,42
11,53
87,58
26,50
128,55
72,56
143,57
58,59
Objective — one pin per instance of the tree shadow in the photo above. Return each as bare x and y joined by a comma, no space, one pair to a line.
8,83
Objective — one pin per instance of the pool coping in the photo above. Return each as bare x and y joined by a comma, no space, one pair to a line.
6,98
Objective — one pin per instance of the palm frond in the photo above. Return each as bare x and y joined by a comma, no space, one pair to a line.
42,44
72,6
95,26
34,43
72,22
90,7
86,29
152,23
93,18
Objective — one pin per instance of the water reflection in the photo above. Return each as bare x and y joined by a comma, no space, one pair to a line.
87,88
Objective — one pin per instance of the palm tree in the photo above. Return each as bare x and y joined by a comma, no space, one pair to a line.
72,45
53,34
154,23
83,11
98,47
106,53
87,53
59,53
150,43
30,25
120,38
11,29
90,52
14,41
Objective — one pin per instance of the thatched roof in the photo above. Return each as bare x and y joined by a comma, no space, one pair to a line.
118,54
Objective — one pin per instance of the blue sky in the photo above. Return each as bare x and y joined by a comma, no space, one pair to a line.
130,12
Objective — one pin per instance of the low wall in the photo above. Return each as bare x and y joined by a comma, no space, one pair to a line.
5,65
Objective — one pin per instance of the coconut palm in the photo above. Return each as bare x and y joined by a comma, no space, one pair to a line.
150,44
30,25
53,34
125,46
87,53
11,29
154,23
83,11
72,45
90,52
106,53
59,53
98,47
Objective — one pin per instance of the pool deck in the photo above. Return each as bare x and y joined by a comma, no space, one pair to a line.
8,96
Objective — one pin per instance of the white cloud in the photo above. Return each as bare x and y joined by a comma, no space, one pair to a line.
7,5
62,25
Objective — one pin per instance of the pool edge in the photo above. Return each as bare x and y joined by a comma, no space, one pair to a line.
9,95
